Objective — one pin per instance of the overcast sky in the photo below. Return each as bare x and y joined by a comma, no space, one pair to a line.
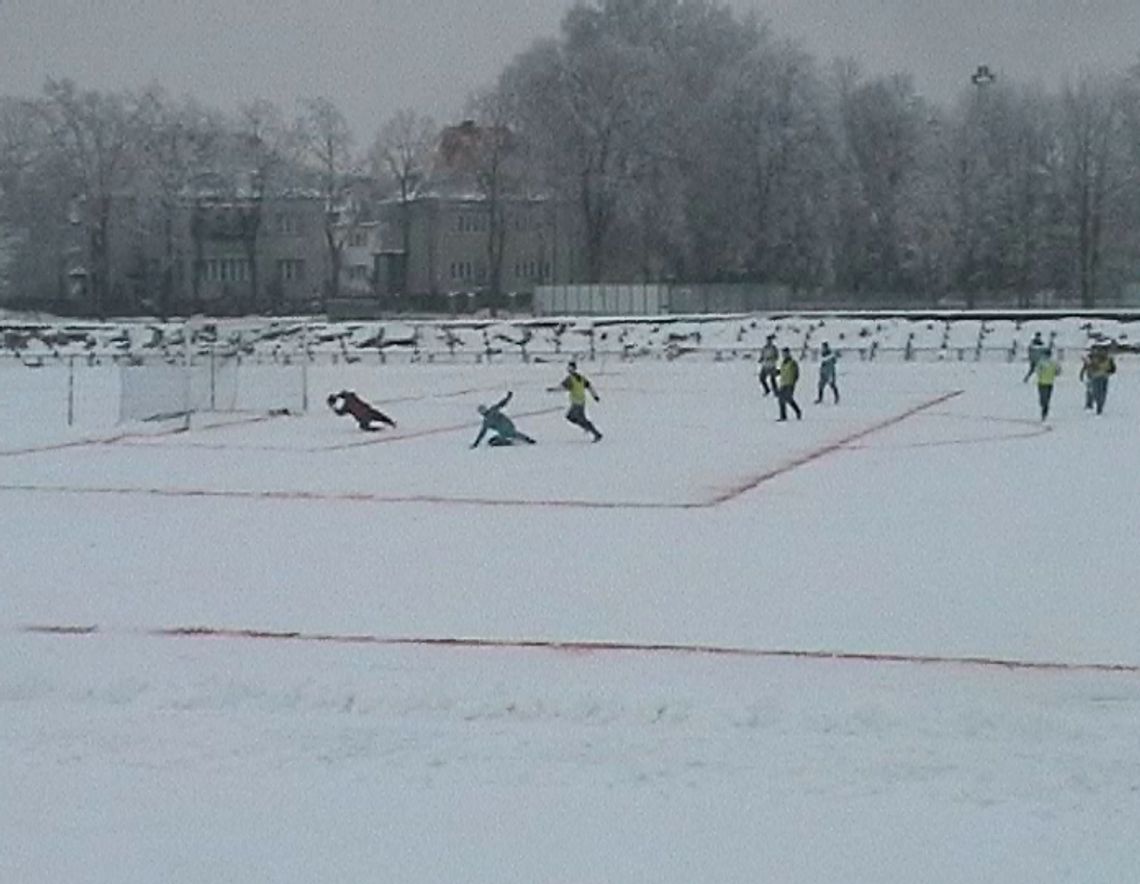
375,56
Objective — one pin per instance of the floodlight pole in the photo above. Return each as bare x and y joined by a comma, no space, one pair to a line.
982,78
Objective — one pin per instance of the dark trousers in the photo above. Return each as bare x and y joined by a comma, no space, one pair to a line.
500,441
768,379
1044,394
1098,387
825,383
577,416
366,421
786,396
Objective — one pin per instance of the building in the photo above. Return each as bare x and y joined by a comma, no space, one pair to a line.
452,243
449,242
251,254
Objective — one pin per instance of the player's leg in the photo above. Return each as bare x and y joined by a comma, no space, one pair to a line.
376,415
577,416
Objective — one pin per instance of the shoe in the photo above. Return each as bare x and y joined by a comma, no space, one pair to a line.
780,419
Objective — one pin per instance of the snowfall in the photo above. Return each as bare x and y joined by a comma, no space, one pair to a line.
895,641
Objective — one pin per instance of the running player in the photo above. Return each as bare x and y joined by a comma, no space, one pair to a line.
577,385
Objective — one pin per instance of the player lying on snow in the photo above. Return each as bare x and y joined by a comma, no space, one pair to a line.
347,402
502,428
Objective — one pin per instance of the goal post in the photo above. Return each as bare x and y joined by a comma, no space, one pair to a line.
162,388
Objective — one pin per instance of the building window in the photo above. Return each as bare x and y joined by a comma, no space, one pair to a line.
225,270
531,269
358,238
471,222
358,273
463,270
289,269
287,224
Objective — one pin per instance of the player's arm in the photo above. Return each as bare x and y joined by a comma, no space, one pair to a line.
479,438
502,402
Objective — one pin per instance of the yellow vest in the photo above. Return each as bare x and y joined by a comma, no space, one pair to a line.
1047,371
576,384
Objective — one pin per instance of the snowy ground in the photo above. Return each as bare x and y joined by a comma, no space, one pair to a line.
640,660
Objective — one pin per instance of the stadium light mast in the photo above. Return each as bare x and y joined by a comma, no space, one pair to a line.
982,78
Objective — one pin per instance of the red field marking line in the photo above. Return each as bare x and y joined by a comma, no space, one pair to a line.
829,448
1033,429
356,497
129,438
60,446
584,646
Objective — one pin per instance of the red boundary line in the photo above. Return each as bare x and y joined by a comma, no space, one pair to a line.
128,437
1033,428
365,497
581,646
357,497
831,447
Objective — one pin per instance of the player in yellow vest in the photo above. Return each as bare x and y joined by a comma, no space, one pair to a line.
786,385
1098,368
1046,368
578,385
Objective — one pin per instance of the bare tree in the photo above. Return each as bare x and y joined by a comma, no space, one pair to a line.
497,176
580,105
180,143
99,137
325,142
401,154
257,156
882,125
1092,126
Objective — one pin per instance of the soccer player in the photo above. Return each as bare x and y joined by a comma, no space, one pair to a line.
1047,369
769,359
502,428
786,385
347,402
827,359
1035,351
1099,367
577,385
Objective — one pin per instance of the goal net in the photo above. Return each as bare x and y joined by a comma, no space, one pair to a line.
158,389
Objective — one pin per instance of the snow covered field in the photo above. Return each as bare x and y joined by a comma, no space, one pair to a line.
894,642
